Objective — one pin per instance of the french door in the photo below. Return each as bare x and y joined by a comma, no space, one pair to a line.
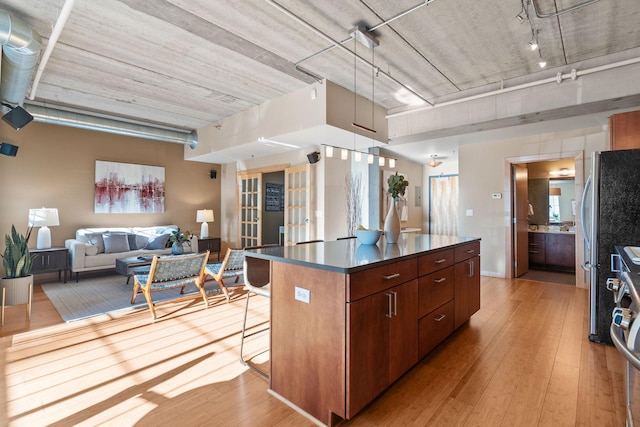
297,204
443,205
250,207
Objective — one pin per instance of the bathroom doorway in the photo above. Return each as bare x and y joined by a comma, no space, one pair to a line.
565,226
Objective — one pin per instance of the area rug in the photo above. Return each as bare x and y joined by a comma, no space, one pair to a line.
106,294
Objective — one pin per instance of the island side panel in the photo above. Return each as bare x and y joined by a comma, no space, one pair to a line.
308,339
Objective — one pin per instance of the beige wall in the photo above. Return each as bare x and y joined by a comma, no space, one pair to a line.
484,170
55,167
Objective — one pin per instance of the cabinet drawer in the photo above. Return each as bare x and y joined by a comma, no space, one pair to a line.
434,328
467,251
435,289
368,282
435,261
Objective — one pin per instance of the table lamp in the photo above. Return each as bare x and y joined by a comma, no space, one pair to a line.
204,216
43,218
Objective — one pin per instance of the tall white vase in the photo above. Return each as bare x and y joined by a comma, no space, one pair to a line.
392,223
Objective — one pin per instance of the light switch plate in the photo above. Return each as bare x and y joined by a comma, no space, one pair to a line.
496,196
302,294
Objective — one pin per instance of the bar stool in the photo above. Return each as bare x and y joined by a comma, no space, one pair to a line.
256,282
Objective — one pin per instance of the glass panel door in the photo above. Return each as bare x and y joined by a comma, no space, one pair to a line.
297,205
250,186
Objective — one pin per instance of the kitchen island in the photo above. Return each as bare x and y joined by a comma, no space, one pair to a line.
347,320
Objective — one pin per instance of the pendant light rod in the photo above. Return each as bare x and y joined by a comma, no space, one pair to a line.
344,49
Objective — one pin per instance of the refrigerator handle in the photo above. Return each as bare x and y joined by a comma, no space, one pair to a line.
583,208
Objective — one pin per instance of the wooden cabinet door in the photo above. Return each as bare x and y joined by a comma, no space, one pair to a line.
561,250
467,290
624,130
368,351
403,329
474,287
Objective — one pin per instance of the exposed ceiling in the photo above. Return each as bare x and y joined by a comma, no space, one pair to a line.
189,63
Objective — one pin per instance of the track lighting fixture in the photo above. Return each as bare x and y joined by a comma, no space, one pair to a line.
533,44
541,63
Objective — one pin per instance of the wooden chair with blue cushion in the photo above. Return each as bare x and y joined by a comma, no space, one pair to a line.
230,267
170,272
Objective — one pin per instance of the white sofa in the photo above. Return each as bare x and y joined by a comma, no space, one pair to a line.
98,248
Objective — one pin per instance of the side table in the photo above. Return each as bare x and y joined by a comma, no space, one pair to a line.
52,259
211,244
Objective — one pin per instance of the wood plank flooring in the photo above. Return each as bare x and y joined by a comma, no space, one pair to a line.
523,360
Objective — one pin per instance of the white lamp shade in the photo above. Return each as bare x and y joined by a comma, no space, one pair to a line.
43,217
204,215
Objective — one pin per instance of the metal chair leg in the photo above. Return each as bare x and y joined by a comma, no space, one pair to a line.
3,295
244,335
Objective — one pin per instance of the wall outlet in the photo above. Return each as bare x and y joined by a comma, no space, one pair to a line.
302,294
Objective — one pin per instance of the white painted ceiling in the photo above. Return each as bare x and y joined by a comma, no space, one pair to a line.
190,63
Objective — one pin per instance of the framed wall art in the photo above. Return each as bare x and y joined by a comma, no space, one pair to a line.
128,188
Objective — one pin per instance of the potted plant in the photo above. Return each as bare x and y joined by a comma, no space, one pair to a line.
16,260
177,240
397,187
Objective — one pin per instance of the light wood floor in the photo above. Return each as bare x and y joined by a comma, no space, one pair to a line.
523,359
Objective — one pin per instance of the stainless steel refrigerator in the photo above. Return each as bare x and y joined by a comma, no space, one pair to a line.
610,217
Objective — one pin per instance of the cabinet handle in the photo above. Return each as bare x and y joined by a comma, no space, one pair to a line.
471,268
391,276
389,309
533,244
440,318
440,261
470,251
395,303
440,280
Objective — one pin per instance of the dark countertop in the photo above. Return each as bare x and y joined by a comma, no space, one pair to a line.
349,256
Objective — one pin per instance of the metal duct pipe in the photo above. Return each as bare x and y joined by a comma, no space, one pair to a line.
84,121
21,47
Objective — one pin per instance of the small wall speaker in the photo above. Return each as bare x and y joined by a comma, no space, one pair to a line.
8,149
213,174
314,157
17,118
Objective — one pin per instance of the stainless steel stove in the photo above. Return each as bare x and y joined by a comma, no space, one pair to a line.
625,334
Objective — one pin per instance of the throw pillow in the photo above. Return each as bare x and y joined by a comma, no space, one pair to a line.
96,240
115,242
157,242
133,244
141,240
90,250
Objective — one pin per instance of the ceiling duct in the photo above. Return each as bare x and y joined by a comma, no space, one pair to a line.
21,47
85,121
